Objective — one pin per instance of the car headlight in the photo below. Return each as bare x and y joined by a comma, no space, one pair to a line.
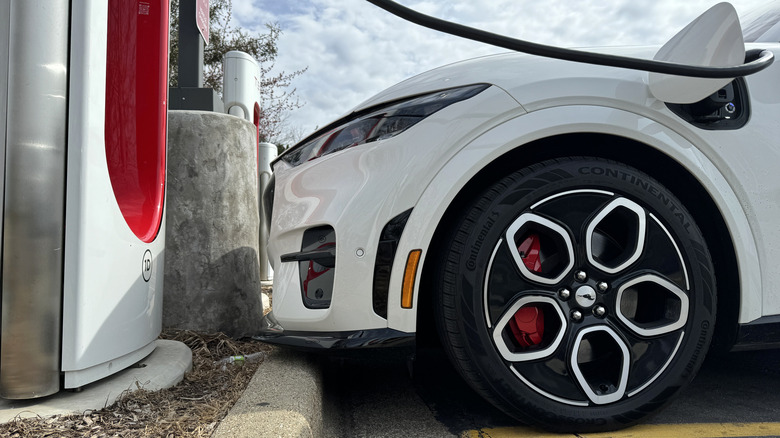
377,123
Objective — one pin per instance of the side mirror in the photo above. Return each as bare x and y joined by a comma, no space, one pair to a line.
712,40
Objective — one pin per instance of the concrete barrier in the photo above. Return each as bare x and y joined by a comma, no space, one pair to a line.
283,400
212,271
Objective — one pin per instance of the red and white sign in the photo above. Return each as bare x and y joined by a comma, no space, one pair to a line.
202,18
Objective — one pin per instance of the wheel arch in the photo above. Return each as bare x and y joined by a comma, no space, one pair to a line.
631,152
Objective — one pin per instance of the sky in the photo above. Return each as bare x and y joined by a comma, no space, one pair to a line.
353,49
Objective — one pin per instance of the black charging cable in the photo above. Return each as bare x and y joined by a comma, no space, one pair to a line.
764,60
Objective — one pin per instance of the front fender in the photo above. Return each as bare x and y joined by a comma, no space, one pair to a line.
492,145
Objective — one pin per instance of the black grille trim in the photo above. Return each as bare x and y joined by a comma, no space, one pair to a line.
383,266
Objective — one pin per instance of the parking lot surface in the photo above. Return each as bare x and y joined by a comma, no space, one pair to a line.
416,393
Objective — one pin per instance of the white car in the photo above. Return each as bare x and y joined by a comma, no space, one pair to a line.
576,239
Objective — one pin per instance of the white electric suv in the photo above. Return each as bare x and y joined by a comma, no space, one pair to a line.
578,235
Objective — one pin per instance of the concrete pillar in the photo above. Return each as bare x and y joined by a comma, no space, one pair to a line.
212,272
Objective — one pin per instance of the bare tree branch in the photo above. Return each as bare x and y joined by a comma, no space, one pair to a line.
277,99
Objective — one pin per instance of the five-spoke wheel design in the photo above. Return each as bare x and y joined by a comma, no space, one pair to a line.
594,268
576,294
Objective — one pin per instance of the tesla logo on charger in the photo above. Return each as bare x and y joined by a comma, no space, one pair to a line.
146,265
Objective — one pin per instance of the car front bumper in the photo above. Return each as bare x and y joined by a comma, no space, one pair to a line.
352,198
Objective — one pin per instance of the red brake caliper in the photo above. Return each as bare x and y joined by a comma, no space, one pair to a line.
528,326
529,252
528,323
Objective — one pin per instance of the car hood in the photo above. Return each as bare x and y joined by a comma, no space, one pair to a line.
528,78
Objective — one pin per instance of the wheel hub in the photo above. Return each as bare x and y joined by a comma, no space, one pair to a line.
585,296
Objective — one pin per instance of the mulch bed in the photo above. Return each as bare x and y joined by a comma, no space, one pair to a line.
193,408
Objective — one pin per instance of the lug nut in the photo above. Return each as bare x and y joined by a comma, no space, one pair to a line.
599,311
603,286
564,294
581,276
576,315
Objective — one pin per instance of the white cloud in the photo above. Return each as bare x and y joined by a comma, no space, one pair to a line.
353,49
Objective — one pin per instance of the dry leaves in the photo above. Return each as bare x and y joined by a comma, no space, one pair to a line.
193,408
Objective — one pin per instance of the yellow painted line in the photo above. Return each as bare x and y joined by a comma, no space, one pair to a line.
511,432
695,430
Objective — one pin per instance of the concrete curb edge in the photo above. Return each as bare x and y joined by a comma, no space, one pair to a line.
283,399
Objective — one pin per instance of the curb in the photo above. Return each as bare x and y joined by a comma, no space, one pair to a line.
283,399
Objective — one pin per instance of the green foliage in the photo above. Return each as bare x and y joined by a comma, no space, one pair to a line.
277,98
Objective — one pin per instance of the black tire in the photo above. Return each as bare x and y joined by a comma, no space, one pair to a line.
591,370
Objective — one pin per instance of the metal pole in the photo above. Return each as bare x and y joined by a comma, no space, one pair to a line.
190,46
266,153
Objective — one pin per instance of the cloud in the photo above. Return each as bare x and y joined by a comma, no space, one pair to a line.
353,49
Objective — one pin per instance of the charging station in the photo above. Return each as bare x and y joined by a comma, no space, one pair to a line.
241,86
83,113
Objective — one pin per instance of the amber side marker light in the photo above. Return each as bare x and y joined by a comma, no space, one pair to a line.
410,273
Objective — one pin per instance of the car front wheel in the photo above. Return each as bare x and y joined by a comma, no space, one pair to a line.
577,295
